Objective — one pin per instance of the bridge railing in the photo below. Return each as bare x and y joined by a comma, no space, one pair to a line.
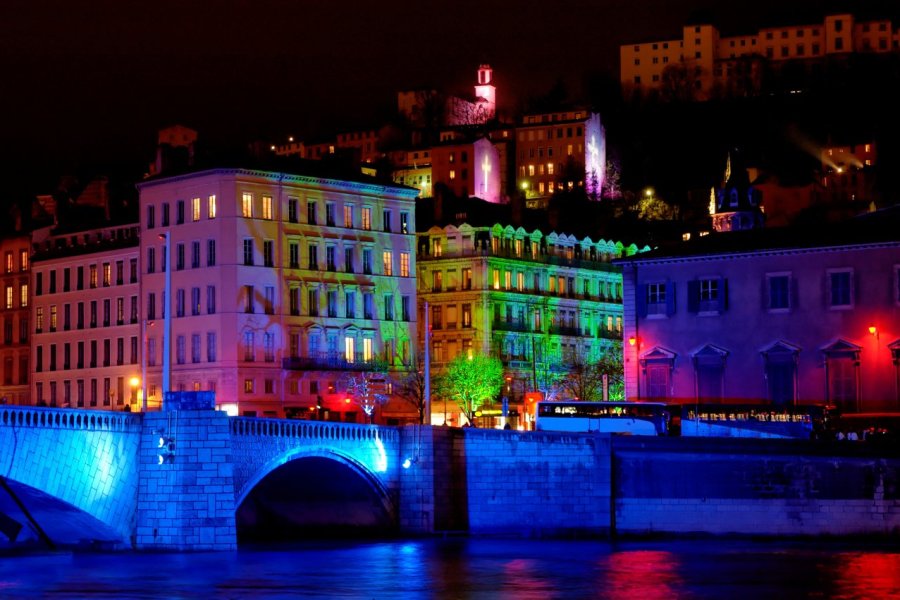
62,418
310,430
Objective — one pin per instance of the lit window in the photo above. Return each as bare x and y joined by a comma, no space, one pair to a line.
267,207
387,261
23,295
247,205
366,218
195,209
211,206
404,264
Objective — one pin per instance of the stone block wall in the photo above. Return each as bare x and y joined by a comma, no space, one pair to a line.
186,503
535,483
80,457
754,487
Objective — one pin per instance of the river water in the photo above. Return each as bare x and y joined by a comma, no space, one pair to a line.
471,568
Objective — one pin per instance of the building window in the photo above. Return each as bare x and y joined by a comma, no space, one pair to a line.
292,210
269,307
267,208
840,287
248,252
195,255
467,279
151,216
348,215
388,307
247,205
366,218
707,295
107,274
348,260
211,206
387,259
330,262
779,291
248,299
210,299
781,373
404,222
211,253
248,346
312,298
404,264
386,220
367,261
248,386
179,303
269,347
179,257
211,346
165,214
268,253
404,308
195,209
368,306
195,301
179,212
350,304
311,212
313,263
842,375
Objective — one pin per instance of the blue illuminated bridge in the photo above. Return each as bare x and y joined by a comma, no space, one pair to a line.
200,480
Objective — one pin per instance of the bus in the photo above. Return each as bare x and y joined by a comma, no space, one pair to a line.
753,421
627,418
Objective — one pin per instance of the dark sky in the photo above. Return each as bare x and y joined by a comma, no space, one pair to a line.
89,83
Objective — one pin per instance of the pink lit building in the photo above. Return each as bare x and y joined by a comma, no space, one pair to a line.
86,341
281,286
778,315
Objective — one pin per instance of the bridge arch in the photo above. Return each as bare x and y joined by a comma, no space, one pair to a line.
294,454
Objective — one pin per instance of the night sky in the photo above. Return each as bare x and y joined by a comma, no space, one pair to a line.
88,84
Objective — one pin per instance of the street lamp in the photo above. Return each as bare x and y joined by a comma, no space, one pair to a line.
167,320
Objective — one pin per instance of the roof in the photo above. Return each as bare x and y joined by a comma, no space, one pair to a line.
878,227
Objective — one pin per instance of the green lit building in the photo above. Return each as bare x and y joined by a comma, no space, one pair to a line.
541,302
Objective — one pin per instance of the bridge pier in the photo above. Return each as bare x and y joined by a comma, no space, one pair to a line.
185,496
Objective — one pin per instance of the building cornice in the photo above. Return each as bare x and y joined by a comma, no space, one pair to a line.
754,253
276,177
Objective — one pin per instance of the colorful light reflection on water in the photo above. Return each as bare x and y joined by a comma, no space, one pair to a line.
471,568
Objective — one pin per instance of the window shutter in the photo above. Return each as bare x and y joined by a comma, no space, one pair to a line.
641,300
694,296
723,295
670,298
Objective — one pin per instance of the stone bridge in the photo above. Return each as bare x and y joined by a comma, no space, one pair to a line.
188,479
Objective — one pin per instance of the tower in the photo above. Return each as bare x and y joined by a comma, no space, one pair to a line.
486,93
738,203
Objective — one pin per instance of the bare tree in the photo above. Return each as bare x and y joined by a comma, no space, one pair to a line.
366,389
412,387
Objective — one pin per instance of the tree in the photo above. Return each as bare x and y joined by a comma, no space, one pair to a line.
412,388
611,364
584,381
471,382
366,390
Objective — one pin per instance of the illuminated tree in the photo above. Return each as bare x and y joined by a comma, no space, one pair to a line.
612,366
367,390
471,382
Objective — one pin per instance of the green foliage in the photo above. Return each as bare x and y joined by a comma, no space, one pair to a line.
470,382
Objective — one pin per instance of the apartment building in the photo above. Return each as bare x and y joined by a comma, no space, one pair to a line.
560,151
280,285
702,58
537,301
85,314
15,314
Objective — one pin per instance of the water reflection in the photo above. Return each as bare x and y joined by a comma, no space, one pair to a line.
469,569
640,575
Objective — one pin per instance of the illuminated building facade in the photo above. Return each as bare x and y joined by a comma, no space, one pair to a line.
15,315
468,169
772,315
282,285
85,316
413,168
533,300
848,174
560,151
702,58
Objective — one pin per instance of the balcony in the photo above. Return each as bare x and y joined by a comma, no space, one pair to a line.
565,330
330,362
545,258
510,326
